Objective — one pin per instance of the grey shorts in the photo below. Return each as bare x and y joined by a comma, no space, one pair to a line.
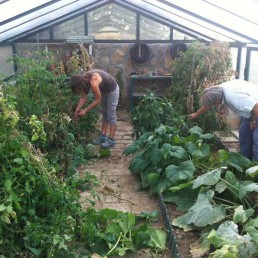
109,102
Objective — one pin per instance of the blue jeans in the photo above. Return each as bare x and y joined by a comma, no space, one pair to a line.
248,140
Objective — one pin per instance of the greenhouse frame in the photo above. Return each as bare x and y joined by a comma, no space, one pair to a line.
149,21
129,128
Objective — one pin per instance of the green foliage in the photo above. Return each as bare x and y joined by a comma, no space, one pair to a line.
151,112
112,232
40,214
45,105
79,62
162,156
216,193
199,67
227,235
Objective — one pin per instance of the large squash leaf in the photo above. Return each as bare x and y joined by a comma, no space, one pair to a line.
241,215
253,171
227,234
203,212
158,183
174,151
226,251
252,187
209,178
198,131
253,232
184,171
131,149
184,198
138,164
233,159
155,155
199,151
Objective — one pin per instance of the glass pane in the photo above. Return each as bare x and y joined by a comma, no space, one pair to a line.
12,8
177,35
253,72
152,30
74,27
234,53
112,22
181,17
243,60
41,35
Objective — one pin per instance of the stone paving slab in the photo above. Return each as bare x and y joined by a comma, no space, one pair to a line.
119,188
230,141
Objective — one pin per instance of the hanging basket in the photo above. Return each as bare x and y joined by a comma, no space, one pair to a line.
140,52
176,49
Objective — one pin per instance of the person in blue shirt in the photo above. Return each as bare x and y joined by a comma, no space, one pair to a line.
242,98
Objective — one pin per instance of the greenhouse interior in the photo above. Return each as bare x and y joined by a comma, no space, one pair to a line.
129,128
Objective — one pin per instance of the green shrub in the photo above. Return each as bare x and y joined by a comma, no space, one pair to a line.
199,67
151,112
45,104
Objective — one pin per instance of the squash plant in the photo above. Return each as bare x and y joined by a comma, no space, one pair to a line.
164,159
211,196
215,192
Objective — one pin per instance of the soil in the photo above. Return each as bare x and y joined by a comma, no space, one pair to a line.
184,239
119,189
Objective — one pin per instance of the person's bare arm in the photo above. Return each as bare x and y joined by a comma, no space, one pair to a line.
199,112
94,82
254,116
81,103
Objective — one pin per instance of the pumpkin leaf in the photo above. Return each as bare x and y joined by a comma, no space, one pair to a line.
179,173
241,215
203,212
209,178
201,151
252,171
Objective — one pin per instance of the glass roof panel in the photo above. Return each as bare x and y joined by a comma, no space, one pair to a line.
112,22
246,9
44,17
184,21
11,8
226,22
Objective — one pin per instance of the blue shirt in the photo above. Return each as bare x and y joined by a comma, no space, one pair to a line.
240,96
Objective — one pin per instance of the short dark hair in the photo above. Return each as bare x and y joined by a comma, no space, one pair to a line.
80,83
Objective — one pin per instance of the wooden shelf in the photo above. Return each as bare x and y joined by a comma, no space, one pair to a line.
139,83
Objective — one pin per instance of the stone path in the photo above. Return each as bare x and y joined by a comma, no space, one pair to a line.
230,141
119,188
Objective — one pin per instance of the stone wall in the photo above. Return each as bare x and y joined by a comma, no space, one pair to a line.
6,68
114,58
